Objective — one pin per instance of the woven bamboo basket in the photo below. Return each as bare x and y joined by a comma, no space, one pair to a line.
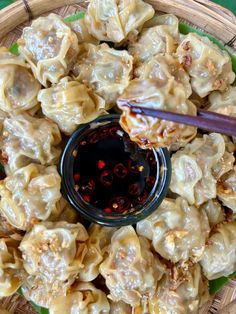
202,14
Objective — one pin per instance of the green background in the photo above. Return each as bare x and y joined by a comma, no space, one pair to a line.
230,4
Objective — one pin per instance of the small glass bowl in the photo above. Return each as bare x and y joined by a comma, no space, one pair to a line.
98,215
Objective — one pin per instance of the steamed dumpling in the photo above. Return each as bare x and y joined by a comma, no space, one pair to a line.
223,102
29,195
183,297
226,189
209,67
161,37
27,139
99,239
149,132
83,298
112,20
131,270
53,255
18,87
177,231
215,212
11,267
192,168
81,30
71,104
50,47
107,71
219,258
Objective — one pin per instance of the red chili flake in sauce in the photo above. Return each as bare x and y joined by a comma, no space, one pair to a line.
120,171
88,186
86,198
76,177
107,210
119,204
106,178
150,181
101,164
134,189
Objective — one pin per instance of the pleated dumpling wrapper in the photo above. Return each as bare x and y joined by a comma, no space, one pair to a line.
29,195
106,70
50,47
27,139
18,87
163,94
219,258
209,67
130,269
70,104
53,254
83,298
112,20
11,266
159,35
178,231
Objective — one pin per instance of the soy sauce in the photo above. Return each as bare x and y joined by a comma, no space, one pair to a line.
111,172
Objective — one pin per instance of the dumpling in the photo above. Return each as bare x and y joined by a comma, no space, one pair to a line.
99,239
209,67
226,189
50,47
161,37
223,102
184,298
165,67
120,308
107,71
53,255
112,20
64,212
11,267
219,258
131,270
27,139
70,104
81,30
214,211
18,87
192,168
83,298
149,132
29,195
177,231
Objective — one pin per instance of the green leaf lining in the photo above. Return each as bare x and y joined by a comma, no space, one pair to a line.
14,49
77,16
5,3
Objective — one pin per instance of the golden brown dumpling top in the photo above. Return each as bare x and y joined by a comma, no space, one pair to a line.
150,132
50,47
18,87
112,20
70,104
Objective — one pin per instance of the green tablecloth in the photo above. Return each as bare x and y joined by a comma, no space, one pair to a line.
230,4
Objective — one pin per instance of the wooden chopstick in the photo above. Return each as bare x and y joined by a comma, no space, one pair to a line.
206,120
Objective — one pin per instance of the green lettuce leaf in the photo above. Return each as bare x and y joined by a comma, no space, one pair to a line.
75,17
5,3
217,284
14,49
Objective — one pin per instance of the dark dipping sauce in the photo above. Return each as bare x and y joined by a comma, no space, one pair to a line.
111,172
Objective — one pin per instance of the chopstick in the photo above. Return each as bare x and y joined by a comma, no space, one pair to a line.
205,120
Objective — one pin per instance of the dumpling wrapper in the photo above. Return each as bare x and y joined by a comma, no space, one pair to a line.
50,47
131,270
178,231
18,87
219,258
83,298
192,168
150,132
209,67
27,139
226,189
114,21
159,35
29,195
106,70
70,104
